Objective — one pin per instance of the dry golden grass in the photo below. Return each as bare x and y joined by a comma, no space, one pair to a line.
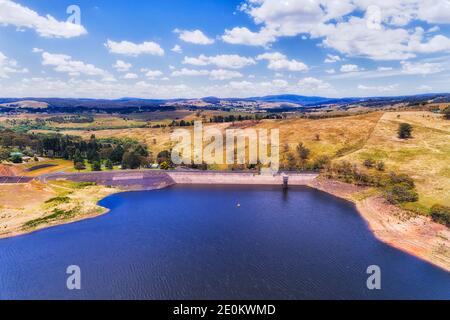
22,203
425,157
58,165
336,135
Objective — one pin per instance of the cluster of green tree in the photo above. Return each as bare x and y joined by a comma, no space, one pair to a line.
440,214
26,125
234,118
397,188
300,159
127,153
71,119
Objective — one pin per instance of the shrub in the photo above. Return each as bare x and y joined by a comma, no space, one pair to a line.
79,166
165,165
380,166
440,214
400,193
401,178
405,131
96,166
321,162
109,164
16,159
58,200
446,112
369,163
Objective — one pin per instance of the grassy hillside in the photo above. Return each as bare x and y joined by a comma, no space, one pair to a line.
425,157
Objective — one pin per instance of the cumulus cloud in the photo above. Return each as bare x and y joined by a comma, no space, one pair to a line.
177,49
232,61
424,88
64,63
387,88
278,61
9,66
221,74
189,72
380,34
350,68
130,75
152,74
14,14
242,35
134,49
314,84
122,66
384,69
420,68
217,74
332,58
194,36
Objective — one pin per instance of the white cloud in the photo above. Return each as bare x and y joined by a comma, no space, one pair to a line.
424,88
218,74
420,68
339,25
37,50
131,76
177,49
122,66
434,11
278,61
222,74
279,83
350,68
387,88
152,74
330,71
189,73
244,36
9,66
332,59
133,49
12,13
314,84
65,63
384,68
232,61
194,36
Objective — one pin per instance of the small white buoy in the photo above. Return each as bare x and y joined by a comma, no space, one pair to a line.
238,205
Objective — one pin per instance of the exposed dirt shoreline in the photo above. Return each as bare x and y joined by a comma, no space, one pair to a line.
417,235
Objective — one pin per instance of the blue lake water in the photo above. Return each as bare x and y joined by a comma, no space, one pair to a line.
196,243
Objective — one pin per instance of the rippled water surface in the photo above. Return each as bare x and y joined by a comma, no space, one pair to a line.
196,243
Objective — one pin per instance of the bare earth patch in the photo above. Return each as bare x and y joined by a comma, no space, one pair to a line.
28,207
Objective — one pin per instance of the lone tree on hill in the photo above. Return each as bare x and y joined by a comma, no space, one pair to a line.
405,131
447,113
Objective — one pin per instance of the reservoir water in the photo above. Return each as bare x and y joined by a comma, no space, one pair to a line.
197,243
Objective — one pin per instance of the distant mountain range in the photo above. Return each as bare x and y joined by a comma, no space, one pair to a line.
127,105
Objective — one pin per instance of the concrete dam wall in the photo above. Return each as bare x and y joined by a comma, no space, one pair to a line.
150,180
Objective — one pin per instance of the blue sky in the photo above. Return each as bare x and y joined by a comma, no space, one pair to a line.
238,48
